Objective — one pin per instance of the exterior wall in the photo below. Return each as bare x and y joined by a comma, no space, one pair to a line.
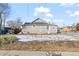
53,29
39,29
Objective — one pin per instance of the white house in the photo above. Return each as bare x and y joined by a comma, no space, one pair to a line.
39,26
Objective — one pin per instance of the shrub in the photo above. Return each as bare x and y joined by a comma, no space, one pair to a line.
4,39
17,30
77,27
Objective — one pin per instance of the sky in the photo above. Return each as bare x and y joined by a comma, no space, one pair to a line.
61,14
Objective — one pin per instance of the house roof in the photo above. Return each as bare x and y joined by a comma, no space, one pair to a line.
38,22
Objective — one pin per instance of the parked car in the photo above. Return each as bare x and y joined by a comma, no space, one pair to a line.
6,30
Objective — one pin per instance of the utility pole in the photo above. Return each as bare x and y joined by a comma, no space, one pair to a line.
27,11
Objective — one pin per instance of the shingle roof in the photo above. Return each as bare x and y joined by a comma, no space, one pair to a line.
38,22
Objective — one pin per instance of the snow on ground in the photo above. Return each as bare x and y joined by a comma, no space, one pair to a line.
54,37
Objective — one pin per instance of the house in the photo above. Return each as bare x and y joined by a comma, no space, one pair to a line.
72,28
68,29
65,30
39,26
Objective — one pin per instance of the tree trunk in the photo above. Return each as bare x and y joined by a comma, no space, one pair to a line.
0,21
3,19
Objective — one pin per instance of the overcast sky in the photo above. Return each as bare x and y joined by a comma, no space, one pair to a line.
58,13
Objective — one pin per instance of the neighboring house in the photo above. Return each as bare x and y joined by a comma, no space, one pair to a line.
39,26
68,29
65,30
72,28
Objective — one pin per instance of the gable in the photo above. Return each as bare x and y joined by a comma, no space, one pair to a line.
38,20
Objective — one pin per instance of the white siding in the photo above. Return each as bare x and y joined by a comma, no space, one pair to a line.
39,29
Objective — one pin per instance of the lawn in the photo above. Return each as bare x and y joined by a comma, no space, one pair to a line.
51,46
7,39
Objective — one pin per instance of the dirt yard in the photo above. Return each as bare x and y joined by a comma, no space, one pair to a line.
48,46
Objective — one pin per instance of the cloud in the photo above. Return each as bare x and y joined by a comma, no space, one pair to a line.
49,15
35,14
75,13
58,20
77,4
68,12
77,20
43,10
67,4
47,19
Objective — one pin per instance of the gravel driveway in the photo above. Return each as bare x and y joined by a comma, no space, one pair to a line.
54,37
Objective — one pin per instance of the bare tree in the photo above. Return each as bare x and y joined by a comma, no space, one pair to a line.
15,25
77,26
4,12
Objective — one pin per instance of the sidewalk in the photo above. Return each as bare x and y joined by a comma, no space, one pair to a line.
36,53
